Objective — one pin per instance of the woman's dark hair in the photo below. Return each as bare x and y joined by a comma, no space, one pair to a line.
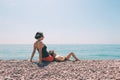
38,35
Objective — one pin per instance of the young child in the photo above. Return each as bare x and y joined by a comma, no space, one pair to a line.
63,58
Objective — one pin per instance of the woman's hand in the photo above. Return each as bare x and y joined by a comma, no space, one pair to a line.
30,60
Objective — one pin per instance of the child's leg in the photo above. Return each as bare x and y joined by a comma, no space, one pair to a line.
71,54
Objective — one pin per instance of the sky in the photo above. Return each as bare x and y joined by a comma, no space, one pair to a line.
61,21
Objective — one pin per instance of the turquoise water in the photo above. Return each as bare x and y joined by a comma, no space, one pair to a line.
83,51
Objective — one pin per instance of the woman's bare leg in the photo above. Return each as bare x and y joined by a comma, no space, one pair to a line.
73,55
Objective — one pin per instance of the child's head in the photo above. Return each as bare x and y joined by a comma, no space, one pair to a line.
52,53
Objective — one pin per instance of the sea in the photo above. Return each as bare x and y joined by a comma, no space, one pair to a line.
82,51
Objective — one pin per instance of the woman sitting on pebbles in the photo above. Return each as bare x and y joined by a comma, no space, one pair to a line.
63,58
41,48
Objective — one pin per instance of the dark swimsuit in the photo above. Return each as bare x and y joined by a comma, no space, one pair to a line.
44,52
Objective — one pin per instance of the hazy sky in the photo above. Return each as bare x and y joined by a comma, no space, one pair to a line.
61,21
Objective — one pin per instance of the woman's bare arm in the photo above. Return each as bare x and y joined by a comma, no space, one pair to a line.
34,50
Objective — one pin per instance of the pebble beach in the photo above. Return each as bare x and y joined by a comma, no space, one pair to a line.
68,70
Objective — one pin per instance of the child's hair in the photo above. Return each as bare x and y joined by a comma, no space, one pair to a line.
51,52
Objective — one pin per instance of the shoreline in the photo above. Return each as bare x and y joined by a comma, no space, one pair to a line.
71,70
